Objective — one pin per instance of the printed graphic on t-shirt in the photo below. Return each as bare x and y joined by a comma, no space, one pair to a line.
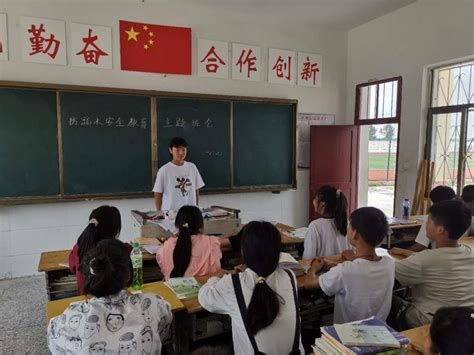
183,184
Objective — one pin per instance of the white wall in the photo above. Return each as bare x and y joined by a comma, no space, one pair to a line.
403,43
26,231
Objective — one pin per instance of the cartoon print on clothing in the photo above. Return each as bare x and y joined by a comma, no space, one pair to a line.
75,321
97,348
147,340
135,299
146,303
56,326
183,184
92,326
114,322
127,345
73,344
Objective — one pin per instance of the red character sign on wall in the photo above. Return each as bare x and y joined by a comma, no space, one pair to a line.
91,51
40,43
281,66
309,70
246,62
212,61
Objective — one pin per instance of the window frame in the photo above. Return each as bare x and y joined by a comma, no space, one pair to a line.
375,121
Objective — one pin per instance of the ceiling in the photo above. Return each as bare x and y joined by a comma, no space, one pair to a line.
332,14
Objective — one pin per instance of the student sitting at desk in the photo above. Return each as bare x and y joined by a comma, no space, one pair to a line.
438,277
363,287
438,194
262,300
104,223
190,253
113,321
326,236
451,332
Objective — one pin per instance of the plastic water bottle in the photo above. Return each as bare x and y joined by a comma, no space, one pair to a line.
406,208
137,264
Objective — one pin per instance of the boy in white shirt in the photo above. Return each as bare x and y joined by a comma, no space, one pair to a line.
438,277
362,287
177,182
438,194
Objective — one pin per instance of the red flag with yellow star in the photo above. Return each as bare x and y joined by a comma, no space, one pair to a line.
154,48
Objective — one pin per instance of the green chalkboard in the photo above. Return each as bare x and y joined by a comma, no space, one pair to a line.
205,125
106,143
264,144
28,143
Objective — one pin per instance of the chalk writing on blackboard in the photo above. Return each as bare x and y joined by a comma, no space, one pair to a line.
181,122
86,121
213,153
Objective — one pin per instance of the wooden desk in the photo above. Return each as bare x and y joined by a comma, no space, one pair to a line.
60,283
417,338
55,308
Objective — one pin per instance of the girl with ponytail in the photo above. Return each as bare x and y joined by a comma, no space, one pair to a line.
262,300
104,223
326,235
110,320
190,253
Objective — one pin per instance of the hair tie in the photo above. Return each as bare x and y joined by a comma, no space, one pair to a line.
91,270
185,225
338,192
261,279
94,222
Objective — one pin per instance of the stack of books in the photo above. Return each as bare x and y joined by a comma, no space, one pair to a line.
369,336
184,288
287,261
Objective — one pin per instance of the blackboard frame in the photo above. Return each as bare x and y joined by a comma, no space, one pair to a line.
153,95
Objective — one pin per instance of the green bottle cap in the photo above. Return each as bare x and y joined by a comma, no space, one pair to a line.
136,245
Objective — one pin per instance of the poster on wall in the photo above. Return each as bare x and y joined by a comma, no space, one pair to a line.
43,40
305,121
281,66
3,37
213,59
246,62
310,70
91,46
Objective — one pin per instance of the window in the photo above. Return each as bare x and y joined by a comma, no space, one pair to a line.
450,136
378,102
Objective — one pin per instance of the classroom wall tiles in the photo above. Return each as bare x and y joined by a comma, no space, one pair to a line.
281,66
91,46
3,37
246,62
20,265
213,59
310,70
43,40
5,243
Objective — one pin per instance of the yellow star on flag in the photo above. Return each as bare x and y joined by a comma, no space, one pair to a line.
145,46
145,27
151,41
151,34
132,34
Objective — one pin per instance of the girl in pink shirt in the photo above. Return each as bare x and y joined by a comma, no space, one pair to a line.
190,253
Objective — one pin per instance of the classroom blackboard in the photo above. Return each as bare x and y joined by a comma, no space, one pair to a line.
106,143
60,142
205,124
28,143
263,144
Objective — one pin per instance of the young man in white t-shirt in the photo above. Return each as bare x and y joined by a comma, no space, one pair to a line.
177,182
438,277
362,287
422,242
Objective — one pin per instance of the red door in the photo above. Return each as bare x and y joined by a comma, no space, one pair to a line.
334,160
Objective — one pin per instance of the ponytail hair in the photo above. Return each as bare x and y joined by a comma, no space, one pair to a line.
106,268
188,222
261,247
336,205
104,223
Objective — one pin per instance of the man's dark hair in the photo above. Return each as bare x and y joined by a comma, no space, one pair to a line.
453,215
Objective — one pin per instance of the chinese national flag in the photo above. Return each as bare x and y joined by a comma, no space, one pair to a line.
155,48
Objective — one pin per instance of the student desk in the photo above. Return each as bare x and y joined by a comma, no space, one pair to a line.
417,338
60,283
404,229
